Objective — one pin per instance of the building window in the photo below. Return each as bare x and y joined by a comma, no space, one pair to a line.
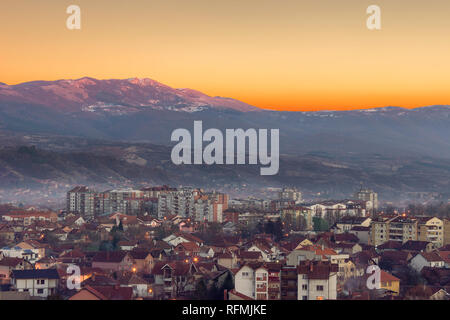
40,291
319,288
305,287
305,297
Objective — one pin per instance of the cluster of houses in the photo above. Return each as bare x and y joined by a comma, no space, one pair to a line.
45,255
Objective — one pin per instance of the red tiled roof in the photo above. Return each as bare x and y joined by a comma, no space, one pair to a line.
445,255
316,269
386,277
189,246
249,255
189,237
111,292
10,262
431,256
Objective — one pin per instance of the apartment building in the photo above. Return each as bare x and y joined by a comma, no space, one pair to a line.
397,228
370,197
260,281
81,200
446,232
431,229
210,206
335,210
317,280
290,194
289,287
180,202
159,200
27,218
155,192
298,217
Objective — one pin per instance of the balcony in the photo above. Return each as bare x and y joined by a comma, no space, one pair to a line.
274,290
261,278
274,279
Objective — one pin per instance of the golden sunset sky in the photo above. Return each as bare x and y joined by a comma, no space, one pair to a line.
279,54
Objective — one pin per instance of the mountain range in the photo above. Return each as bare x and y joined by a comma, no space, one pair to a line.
375,145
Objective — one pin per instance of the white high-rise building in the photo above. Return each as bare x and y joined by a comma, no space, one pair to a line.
291,194
370,197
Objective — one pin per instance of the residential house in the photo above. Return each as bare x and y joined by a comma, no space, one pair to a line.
389,283
187,248
30,255
363,234
113,261
38,283
427,259
178,237
139,285
143,260
177,278
226,259
347,223
244,257
418,246
7,265
6,233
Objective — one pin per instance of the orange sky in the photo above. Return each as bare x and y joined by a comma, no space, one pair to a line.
290,54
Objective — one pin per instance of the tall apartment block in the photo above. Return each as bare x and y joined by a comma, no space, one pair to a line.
82,200
393,228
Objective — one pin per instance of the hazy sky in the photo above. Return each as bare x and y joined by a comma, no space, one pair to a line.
281,54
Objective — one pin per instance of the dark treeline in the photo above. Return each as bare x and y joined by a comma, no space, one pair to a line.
441,210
